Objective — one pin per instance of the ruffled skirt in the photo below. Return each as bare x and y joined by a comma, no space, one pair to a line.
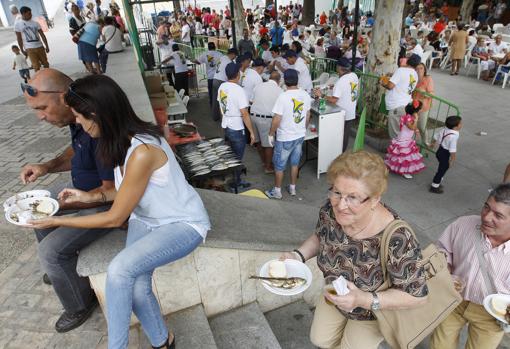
403,157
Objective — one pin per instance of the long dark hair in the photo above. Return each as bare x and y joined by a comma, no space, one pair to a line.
100,99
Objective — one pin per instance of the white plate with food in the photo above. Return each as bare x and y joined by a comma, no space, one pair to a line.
498,305
289,268
25,195
31,209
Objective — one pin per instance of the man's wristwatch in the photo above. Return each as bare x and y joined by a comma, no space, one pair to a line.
375,302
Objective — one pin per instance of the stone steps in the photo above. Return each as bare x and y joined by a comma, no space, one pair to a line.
291,325
244,327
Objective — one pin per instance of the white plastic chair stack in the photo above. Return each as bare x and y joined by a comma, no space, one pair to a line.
181,93
185,100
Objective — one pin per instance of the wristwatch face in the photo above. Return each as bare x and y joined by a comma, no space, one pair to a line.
375,302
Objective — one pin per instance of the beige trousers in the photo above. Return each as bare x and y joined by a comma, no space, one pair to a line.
483,330
330,329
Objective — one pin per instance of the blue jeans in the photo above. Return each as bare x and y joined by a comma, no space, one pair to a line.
287,151
237,141
129,278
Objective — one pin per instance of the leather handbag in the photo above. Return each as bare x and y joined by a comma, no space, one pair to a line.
406,328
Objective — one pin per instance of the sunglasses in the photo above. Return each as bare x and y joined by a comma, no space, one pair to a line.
76,94
32,91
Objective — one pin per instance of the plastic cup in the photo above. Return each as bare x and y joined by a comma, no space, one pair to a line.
331,290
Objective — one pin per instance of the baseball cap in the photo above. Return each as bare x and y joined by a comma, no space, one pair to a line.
232,50
291,77
414,60
258,62
289,54
343,62
232,69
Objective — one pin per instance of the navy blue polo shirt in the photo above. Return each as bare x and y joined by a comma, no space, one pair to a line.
87,171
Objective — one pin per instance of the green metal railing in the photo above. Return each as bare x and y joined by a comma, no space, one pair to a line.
322,65
439,110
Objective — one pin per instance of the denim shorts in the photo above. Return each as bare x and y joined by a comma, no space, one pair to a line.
285,151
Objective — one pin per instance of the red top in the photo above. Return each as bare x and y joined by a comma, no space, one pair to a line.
263,31
439,27
323,19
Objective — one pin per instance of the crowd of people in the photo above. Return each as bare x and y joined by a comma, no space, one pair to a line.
123,170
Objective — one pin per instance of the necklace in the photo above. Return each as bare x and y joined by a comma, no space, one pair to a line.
363,229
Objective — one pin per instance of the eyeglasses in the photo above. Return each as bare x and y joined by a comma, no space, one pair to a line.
74,93
32,91
350,200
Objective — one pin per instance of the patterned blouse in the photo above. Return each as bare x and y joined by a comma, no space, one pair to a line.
358,260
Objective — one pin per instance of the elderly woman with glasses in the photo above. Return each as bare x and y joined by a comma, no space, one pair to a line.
347,243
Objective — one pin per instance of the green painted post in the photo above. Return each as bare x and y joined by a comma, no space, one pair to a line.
359,142
133,33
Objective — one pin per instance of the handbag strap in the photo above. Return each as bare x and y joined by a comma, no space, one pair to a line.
489,283
392,227
111,37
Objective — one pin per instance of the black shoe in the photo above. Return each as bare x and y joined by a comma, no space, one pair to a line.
46,279
69,321
167,345
438,190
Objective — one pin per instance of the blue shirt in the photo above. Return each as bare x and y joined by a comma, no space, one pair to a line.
91,34
370,21
276,36
87,171
409,21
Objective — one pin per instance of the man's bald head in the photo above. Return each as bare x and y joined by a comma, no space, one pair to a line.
50,106
275,76
51,80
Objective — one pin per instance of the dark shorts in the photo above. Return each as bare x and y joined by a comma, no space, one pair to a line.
24,73
87,53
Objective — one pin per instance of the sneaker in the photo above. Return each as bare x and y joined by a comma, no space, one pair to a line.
291,191
272,194
438,190
407,176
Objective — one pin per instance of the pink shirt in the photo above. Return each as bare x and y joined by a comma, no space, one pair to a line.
459,241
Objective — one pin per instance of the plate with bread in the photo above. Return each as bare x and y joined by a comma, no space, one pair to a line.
286,278
498,305
33,208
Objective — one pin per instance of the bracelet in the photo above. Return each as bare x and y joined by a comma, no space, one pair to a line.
300,255
103,196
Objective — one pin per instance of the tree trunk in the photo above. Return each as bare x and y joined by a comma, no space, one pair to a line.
308,12
466,10
177,8
238,21
383,51
268,2
407,8
340,4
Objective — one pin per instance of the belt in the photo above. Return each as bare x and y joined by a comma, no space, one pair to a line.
263,116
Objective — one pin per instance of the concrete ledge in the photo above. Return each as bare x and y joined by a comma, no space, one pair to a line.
238,222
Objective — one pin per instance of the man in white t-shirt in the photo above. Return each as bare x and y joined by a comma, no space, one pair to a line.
211,59
264,99
345,95
178,60
291,115
185,33
29,35
266,55
400,89
414,48
234,110
219,78
498,47
277,61
249,77
299,65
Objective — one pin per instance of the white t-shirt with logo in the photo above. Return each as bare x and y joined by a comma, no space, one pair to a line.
293,106
211,59
220,74
179,62
249,79
29,32
305,80
405,80
347,90
232,99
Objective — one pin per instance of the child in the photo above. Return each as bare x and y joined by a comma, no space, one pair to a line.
446,153
21,62
403,155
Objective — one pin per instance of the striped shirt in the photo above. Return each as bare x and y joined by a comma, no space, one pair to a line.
459,241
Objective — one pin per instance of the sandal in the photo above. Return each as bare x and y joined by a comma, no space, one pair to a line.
167,345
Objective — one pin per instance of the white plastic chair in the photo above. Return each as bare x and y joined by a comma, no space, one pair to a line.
438,57
474,61
425,57
321,80
467,56
502,71
331,81
185,100
181,93
445,61
496,26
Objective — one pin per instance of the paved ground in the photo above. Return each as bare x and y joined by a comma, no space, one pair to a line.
29,309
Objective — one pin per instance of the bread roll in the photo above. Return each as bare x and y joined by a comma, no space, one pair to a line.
277,269
499,306
45,207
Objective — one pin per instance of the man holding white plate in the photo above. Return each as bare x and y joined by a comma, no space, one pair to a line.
58,248
478,254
